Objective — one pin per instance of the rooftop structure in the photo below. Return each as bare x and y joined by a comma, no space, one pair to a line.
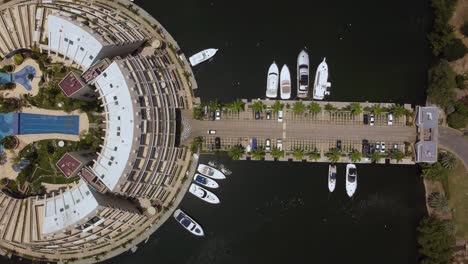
68,165
427,120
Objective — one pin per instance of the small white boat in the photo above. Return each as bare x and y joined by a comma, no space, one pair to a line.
211,172
331,177
321,84
272,81
205,181
203,194
188,223
202,56
303,74
285,83
351,179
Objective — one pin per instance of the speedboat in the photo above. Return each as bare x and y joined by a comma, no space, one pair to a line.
331,177
203,194
210,172
303,74
285,83
202,56
205,181
272,81
188,223
351,179
321,84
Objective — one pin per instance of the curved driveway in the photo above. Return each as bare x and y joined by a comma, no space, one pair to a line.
455,141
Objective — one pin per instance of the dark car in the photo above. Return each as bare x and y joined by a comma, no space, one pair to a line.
257,115
371,148
365,147
366,119
218,143
338,145
212,115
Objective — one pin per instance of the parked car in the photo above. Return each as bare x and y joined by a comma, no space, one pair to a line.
267,145
382,147
254,143
365,147
372,119
366,119
280,116
257,115
212,115
211,132
390,119
218,114
279,144
377,146
218,143
395,146
371,148
338,145
268,115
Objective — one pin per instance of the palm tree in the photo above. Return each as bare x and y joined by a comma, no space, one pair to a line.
298,154
397,155
435,172
214,105
237,106
299,108
375,157
438,202
314,155
314,108
277,153
398,110
258,153
333,155
355,108
329,107
378,109
258,106
355,155
236,152
448,160
277,106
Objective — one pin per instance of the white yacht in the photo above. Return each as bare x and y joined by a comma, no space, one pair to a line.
321,84
331,177
188,223
203,194
202,56
351,179
272,81
205,181
303,74
211,172
285,83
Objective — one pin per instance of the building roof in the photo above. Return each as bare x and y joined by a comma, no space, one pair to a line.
428,117
426,151
71,83
68,165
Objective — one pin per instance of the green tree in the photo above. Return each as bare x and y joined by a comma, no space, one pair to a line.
277,106
397,155
314,155
333,155
314,108
378,109
375,157
18,58
215,105
237,106
438,202
435,243
330,108
454,50
398,110
298,154
258,106
9,142
196,144
448,160
442,31
258,153
277,153
198,113
355,108
236,152
441,85
299,108
459,118
355,155
435,172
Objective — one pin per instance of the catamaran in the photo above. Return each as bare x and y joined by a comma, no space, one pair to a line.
321,84
272,81
302,74
351,179
285,83
202,56
203,194
188,223
331,177
205,181
211,172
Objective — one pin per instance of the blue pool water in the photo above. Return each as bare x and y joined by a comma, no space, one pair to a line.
20,77
45,124
5,78
6,125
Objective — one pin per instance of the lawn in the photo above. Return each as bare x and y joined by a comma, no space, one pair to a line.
458,187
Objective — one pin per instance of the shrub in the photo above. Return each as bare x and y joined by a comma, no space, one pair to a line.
9,86
460,80
18,58
435,243
9,142
441,84
457,120
454,50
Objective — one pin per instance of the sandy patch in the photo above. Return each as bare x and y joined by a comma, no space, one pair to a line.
460,15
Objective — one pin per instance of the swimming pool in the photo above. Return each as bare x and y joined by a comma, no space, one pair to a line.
20,77
6,125
47,124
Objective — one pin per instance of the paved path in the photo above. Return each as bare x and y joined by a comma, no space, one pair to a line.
455,141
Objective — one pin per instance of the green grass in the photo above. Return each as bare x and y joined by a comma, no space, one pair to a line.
458,189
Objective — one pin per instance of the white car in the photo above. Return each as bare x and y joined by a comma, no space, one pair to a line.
267,145
218,114
211,132
377,145
279,144
382,147
280,116
390,119
372,119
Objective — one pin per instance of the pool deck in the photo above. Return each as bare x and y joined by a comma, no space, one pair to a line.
20,89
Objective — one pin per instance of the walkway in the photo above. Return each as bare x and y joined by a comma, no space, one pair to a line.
454,141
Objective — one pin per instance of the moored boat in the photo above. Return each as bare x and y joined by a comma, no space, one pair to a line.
202,56
203,194
205,181
285,83
331,177
210,172
303,74
188,223
321,84
351,179
272,81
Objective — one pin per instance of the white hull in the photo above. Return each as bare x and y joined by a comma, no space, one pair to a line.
351,181
203,194
272,81
202,56
303,74
285,83
205,181
211,172
188,223
331,177
321,84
